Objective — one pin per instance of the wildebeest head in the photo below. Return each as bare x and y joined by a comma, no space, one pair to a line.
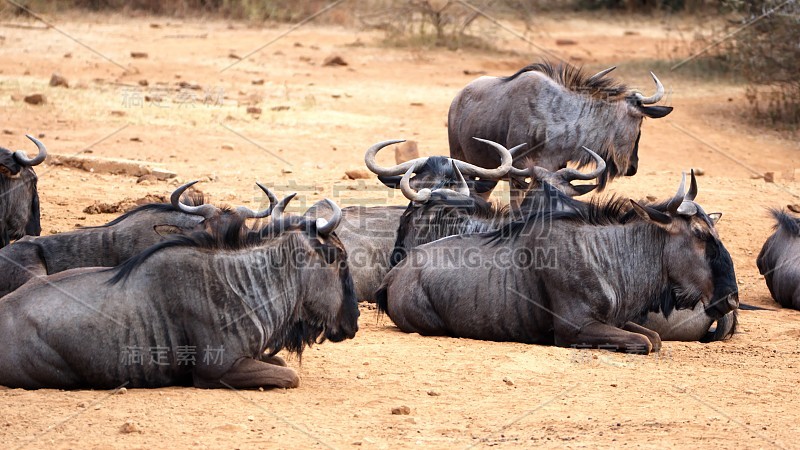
329,306
12,163
215,216
436,172
562,179
705,272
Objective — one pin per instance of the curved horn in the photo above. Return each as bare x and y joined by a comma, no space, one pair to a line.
602,73
569,174
422,196
248,213
207,211
23,159
372,165
655,97
462,188
326,227
490,174
690,196
677,200
277,212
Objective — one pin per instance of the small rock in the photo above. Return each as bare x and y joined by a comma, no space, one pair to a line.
280,108
508,381
358,174
251,418
286,170
6,131
234,56
334,60
474,72
129,427
756,176
565,42
147,180
257,82
57,80
361,376
253,110
138,55
35,99
118,113
769,177
406,151
401,411
631,33
82,405
155,25
699,172
67,55
122,390
652,198
298,44
433,393
227,147
144,83
136,139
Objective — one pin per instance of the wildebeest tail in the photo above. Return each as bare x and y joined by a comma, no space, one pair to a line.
786,221
382,298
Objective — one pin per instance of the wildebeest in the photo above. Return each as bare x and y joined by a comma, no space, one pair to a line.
779,259
110,244
565,277
197,310
445,212
19,207
555,109
369,233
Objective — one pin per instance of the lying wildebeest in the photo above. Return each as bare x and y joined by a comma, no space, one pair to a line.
369,233
565,277
442,212
19,207
778,260
110,244
227,294
555,110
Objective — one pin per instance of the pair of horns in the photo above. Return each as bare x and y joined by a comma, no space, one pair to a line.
683,202
23,160
641,98
466,168
462,188
564,175
275,210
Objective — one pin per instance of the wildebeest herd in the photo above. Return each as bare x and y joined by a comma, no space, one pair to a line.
188,293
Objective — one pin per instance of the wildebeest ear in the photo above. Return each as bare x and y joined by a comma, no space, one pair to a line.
392,181
650,214
655,112
715,217
167,230
584,188
482,186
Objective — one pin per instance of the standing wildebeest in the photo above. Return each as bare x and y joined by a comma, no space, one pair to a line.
369,233
564,277
110,244
19,205
283,286
555,110
779,260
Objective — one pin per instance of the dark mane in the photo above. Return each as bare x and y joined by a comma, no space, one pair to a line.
576,80
230,235
786,222
598,211
193,198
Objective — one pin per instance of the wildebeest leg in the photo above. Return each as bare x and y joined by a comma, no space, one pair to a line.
274,360
604,336
248,373
4,238
654,337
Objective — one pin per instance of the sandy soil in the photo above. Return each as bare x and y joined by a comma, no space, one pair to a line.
461,393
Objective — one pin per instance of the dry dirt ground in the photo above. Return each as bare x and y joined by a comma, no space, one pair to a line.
316,123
